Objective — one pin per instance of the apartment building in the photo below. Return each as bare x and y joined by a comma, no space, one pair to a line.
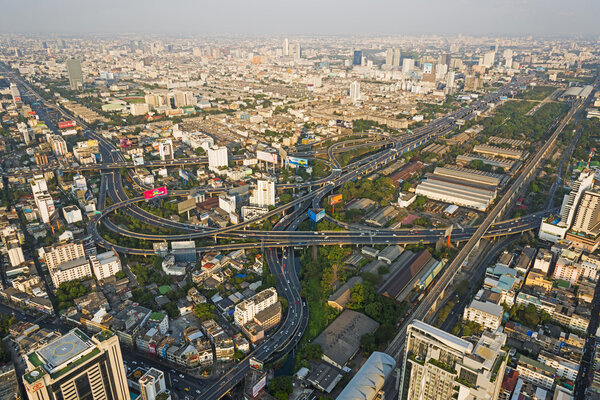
484,313
247,309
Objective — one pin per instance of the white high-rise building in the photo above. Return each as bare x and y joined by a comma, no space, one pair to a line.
286,47
15,256
217,157
43,200
450,79
38,184
247,309
165,149
59,145
264,194
152,384
397,56
489,59
508,58
438,365
389,57
61,253
78,268
408,64
587,219
106,264
355,91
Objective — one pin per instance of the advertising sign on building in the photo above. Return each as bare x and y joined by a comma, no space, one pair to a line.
301,162
157,192
266,156
66,124
259,386
316,214
256,364
335,199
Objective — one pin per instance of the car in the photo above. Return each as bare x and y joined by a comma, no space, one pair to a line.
186,389
181,376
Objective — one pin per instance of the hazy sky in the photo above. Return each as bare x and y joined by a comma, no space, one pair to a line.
496,17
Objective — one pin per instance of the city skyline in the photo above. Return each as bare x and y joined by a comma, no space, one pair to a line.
506,17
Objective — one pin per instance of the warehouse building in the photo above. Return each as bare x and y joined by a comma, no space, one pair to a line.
495,151
465,159
461,186
399,285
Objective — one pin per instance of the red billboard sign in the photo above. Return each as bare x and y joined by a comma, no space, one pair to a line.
157,192
66,124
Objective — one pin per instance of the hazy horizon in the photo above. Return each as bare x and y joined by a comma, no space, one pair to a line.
334,17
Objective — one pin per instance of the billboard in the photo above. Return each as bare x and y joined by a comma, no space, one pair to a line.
316,214
427,68
256,364
66,124
266,156
335,199
259,386
184,175
186,205
124,143
158,192
301,162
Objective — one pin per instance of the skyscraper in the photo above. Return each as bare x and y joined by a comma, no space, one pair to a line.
587,219
75,74
355,91
264,194
357,57
286,47
389,57
298,53
75,367
407,65
489,59
217,157
508,58
397,56
438,365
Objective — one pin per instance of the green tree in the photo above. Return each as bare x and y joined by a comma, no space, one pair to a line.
204,311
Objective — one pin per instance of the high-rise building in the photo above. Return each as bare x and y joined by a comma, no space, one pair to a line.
407,65
389,57
508,58
489,59
583,183
61,253
43,200
450,79
75,74
217,157
286,47
587,218
15,93
106,264
15,255
357,57
264,194
152,384
397,57
77,367
298,51
165,149
355,91
246,310
438,365
78,268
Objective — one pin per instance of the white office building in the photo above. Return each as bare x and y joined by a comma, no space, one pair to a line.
78,268
105,264
217,157
72,214
355,91
247,309
264,194
152,384
15,256
484,313
165,149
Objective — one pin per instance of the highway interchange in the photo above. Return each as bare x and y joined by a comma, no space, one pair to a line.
280,242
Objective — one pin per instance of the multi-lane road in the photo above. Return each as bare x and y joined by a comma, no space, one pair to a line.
279,243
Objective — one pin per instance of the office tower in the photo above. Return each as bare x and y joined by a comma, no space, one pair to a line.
397,57
488,59
217,157
587,218
247,309
472,82
15,254
298,53
75,74
152,384
508,58
438,365
59,254
583,183
355,91
165,149
286,47
42,198
450,79
407,65
357,57
105,265
440,71
389,57
77,367
264,194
